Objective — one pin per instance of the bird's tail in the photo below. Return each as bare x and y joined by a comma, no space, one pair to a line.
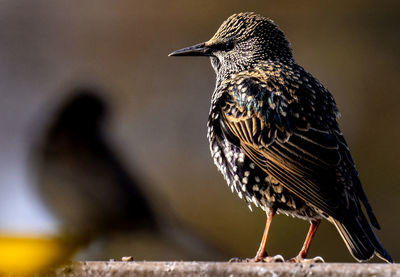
361,240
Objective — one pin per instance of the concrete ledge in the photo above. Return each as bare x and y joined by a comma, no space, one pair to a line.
116,269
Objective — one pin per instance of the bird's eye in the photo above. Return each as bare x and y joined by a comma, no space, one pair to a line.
229,46
224,46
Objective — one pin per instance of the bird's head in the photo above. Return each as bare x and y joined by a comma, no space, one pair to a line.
83,113
241,42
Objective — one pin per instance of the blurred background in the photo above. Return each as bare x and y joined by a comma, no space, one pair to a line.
148,115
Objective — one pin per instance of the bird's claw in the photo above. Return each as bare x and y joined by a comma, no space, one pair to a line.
267,259
273,259
241,260
298,259
238,260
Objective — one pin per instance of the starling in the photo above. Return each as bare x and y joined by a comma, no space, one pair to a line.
274,136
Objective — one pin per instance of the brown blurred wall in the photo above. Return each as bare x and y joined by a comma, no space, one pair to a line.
160,104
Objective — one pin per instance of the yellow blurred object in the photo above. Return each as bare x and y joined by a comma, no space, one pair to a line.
24,255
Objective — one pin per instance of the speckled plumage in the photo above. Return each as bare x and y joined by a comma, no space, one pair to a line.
274,134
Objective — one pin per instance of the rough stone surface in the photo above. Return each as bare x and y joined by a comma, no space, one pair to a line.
126,269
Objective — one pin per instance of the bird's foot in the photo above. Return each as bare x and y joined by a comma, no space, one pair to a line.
267,259
239,260
299,259
270,259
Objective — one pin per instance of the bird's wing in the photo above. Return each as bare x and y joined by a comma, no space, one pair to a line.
291,136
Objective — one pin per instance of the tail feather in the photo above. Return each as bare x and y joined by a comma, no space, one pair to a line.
361,240
364,200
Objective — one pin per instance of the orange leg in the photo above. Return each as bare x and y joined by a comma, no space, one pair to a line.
306,246
262,252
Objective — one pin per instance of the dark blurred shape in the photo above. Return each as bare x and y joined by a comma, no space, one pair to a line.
83,182
81,178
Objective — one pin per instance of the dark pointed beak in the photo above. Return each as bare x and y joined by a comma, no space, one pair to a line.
196,50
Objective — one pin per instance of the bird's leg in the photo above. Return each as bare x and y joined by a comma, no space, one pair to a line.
262,251
262,255
301,257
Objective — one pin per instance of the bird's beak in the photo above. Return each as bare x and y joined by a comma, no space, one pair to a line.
196,50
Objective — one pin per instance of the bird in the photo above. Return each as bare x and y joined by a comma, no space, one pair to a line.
97,199
77,165
274,135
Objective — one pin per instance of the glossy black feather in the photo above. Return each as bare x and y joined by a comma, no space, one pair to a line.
294,138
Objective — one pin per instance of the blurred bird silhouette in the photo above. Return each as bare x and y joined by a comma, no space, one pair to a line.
82,180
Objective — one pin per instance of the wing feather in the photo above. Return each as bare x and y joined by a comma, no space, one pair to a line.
284,137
